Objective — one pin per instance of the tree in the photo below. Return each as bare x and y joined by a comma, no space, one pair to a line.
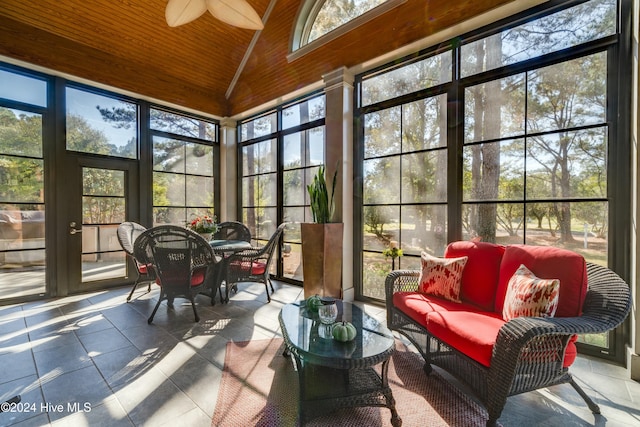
126,117
560,97
405,152
334,13
488,100
510,216
96,208
21,166
375,219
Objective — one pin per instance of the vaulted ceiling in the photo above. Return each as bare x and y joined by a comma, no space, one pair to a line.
127,44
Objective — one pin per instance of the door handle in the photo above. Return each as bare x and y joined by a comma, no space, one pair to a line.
72,228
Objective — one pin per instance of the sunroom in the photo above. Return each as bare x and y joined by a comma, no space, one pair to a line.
513,122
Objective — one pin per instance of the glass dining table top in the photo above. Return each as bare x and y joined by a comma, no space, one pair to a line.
229,245
311,341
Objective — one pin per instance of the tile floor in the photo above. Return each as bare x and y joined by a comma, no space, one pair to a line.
92,360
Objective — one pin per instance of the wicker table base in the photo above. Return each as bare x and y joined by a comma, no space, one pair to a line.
334,375
325,389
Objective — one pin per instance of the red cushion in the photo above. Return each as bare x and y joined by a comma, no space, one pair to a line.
470,332
417,305
547,262
570,353
474,334
480,274
197,277
257,268
142,268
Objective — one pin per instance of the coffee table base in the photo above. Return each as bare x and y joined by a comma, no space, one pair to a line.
324,389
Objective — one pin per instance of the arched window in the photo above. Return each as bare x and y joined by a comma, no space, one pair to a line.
331,18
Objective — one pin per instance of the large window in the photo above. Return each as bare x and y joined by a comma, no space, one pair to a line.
183,167
100,158
280,151
259,165
511,143
330,14
320,21
404,189
22,197
99,124
535,158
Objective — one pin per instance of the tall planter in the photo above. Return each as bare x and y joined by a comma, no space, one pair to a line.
322,259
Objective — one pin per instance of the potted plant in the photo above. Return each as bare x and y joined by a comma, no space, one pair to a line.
203,225
393,252
322,241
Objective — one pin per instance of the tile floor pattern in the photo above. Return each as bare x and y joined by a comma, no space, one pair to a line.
92,360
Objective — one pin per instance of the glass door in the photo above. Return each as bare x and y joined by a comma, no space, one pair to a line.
95,259
97,187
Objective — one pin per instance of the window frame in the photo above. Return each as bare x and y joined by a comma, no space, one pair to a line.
185,139
617,49
300,45
278,135
57,161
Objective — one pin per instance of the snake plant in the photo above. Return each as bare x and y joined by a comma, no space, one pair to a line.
322,206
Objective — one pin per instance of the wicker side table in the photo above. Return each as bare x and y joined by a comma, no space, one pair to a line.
334,375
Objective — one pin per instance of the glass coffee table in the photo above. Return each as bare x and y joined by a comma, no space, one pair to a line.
334,374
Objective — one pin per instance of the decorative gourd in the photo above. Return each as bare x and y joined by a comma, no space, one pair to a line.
314,302
344,331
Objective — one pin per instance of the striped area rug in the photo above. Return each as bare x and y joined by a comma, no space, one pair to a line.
259,387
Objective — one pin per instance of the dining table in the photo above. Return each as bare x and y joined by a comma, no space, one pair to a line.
224,248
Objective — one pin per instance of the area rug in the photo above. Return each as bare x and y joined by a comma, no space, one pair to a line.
259,387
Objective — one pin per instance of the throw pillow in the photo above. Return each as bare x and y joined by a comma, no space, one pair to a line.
528,295
441,276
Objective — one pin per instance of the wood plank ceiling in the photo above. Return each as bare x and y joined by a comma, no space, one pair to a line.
127,44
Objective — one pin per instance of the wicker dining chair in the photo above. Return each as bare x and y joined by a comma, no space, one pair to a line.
232,230
252,265
183,261
127,233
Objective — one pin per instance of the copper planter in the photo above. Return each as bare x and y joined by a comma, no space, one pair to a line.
322,259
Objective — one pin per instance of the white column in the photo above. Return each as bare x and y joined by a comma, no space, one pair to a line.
228,171
339,155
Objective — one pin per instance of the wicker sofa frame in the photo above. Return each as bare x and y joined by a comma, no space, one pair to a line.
528,353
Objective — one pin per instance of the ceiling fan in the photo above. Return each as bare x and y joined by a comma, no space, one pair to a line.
238,13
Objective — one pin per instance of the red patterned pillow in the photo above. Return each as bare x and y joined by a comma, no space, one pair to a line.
441,276
528,295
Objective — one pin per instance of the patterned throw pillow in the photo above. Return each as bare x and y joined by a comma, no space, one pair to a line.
441,276
527,295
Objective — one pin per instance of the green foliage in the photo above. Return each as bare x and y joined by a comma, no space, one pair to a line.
392,252
334,13
322,206
375,218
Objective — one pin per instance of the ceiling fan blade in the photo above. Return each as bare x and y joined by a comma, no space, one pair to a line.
179,12
238,13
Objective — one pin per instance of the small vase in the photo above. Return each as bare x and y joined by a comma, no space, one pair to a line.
206,236
328,312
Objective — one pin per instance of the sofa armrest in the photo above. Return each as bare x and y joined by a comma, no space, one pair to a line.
401,281
535,346
607,305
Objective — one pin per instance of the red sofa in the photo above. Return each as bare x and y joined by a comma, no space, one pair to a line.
499,358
